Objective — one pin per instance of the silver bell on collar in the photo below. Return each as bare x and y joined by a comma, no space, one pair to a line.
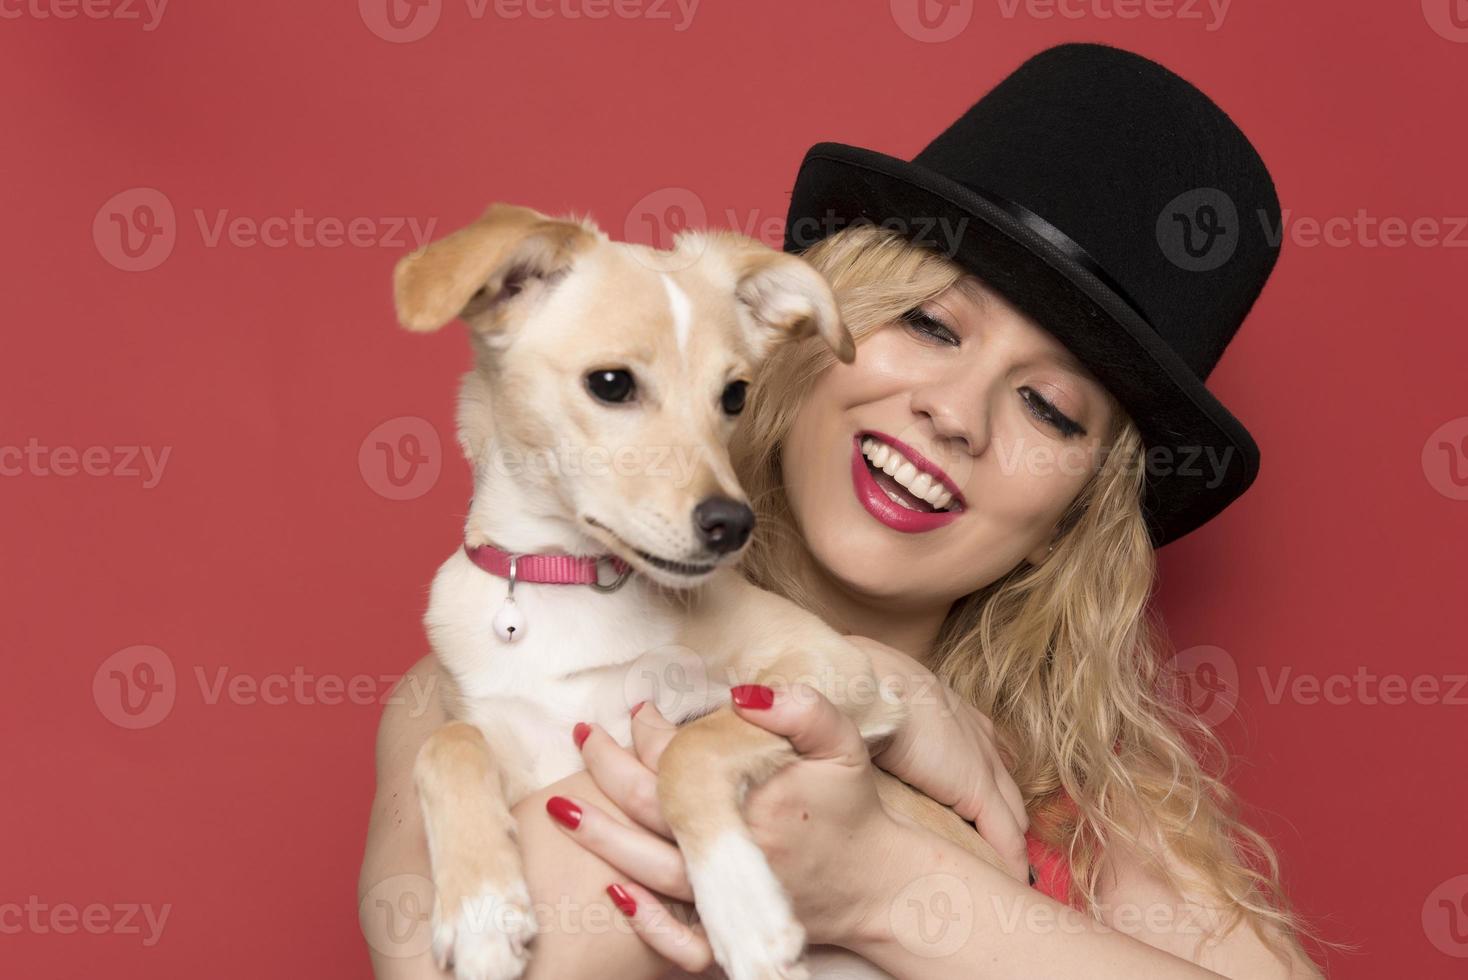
509,622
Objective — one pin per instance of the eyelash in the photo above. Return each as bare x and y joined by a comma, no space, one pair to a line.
929,326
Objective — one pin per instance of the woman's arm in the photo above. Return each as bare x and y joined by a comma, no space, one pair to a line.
948,914
581,933
896,894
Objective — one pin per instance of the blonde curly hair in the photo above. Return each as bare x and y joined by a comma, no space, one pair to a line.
1064,656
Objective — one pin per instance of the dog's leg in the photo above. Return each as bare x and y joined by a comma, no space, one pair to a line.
482,921
703,777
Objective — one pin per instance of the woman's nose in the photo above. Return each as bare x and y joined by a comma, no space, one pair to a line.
957,411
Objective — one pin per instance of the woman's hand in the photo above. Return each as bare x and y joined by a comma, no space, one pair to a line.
819,820
949,751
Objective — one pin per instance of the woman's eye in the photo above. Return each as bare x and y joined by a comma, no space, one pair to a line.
1043,410
929,326
611,386
732,400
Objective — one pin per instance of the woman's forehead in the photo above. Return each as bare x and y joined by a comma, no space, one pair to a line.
985,301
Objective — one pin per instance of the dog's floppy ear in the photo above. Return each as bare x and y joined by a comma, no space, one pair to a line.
476,268
788,299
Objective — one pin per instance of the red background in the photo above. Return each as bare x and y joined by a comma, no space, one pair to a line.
265,549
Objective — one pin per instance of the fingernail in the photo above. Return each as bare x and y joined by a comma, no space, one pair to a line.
580,732
622,900
752,695
637,707
567,814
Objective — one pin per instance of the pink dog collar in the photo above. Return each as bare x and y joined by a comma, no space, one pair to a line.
547,569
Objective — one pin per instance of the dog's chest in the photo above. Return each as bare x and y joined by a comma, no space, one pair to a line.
583,655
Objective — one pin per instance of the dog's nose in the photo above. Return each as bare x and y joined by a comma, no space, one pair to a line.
723,524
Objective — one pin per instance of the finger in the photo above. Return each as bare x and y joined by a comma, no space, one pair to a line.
1008,790
996,824
651,733
633,851
627,782
685,946
814,725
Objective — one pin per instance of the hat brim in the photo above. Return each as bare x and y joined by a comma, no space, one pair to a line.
1201,458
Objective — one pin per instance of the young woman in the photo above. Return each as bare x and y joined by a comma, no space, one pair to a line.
1070,413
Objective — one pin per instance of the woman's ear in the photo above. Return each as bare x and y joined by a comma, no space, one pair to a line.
785,297
474,271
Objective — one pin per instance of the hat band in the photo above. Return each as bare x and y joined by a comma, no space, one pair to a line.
1067,246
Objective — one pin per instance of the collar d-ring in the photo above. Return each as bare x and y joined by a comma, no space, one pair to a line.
616,583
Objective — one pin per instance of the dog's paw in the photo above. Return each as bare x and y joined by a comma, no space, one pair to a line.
745,913
486,935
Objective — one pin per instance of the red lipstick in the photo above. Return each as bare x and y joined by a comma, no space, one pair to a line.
889,511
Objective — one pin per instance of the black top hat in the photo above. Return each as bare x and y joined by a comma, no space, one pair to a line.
1118,206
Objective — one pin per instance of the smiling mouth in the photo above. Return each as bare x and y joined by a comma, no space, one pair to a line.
689,569
905,482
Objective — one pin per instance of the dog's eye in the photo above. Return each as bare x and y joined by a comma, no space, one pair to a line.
611,386
732,399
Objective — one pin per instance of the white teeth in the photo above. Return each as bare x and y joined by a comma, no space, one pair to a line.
895,465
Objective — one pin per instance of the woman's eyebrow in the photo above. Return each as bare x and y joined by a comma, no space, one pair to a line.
1061,358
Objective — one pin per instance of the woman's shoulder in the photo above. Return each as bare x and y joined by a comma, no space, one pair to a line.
411,711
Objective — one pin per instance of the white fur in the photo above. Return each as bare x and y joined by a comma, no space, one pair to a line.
488,936
745,912
569,666
682,314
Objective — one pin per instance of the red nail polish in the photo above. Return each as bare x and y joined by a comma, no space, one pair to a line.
580,732
567,814
637,707
622,900
752,696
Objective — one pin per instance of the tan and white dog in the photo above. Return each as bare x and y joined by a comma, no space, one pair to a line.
595,364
